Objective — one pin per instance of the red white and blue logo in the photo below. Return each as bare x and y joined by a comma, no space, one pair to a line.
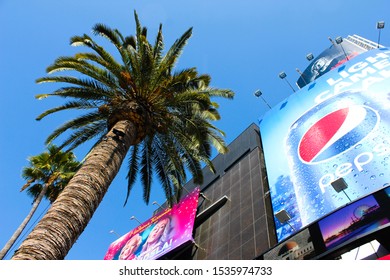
336,132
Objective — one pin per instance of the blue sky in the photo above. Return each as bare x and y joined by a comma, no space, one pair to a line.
243,45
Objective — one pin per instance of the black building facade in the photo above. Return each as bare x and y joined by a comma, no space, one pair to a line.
234,219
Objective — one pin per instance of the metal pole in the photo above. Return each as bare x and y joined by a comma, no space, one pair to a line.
289,84
347,196
265,102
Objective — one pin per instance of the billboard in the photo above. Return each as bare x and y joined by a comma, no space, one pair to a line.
342,230
300,247
337,126
329,59
353,221
159,235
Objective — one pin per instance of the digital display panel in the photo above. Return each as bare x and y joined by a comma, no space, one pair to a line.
361,217
299,247
338,126
159,235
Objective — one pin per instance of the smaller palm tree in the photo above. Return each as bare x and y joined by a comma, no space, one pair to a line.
46,176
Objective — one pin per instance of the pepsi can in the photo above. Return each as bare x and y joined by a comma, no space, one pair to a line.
346,135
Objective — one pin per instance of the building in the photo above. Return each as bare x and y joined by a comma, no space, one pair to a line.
268,214
311,181
235,220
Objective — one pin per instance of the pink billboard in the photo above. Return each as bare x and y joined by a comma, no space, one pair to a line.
164,232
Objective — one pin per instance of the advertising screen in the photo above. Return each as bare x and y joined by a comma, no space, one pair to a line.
336,126
352,221
300,247
329,59
159,235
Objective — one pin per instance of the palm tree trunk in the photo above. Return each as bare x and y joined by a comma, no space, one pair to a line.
58,230
23,225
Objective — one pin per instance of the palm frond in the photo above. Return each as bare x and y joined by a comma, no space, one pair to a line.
70,63
158,46
146,169
133,168
94,118
170,59
82,104
106,56
85,83
83,134
107,32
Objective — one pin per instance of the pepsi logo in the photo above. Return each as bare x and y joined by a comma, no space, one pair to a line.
336,132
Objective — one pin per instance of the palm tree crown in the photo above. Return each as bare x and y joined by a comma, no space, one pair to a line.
47,175
53,168
170,110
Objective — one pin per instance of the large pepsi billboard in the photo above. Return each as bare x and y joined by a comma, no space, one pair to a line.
336,126
161,234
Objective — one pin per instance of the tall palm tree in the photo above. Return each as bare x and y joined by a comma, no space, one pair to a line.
46,176
138,105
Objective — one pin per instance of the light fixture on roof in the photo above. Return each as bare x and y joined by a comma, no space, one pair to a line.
134,218
339,41
258,93
113,232
156,203
380,25
283,76
309,56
